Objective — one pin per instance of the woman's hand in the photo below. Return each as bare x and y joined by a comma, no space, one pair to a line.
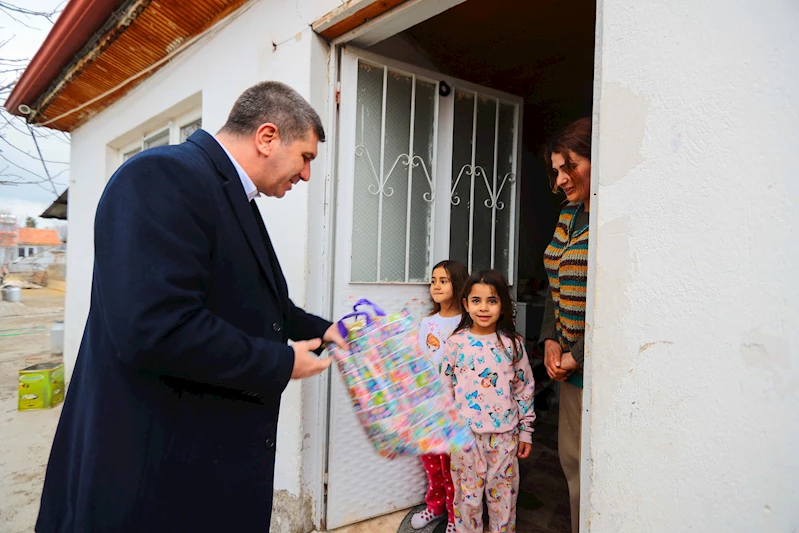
553,360
524,450
568,363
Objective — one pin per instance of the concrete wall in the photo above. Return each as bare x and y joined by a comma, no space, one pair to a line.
694,393
237,56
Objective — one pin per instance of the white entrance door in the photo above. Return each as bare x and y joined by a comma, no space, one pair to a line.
427,171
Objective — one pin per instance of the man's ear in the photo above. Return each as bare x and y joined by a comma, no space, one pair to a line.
265,137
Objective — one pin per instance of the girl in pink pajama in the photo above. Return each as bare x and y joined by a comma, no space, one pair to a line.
446,286
488,374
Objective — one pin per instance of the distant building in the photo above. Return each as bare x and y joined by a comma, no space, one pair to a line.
9,239
31,241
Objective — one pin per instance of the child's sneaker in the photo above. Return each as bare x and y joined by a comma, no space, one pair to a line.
422,518
450,527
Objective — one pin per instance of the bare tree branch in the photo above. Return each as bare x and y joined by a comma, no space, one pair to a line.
43,132
12,67
12,180
8,13
41,158
2,138
9,8
42,178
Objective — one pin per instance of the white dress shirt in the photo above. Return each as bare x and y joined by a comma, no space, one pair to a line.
249,187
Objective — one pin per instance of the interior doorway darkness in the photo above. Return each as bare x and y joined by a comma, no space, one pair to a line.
544,52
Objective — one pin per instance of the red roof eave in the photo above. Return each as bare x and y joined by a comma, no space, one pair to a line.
79,21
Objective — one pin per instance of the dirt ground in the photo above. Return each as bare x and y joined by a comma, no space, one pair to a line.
25,438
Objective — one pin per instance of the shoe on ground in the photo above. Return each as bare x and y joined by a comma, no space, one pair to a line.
422,518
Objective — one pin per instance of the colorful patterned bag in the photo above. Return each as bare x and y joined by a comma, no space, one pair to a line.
396,392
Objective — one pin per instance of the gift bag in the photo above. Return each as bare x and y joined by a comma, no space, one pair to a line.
395,390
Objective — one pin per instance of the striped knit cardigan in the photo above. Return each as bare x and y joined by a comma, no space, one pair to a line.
566,263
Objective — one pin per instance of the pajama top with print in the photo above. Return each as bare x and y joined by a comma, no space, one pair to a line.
493,390
434,331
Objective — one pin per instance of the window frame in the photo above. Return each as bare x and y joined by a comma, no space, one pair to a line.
171,126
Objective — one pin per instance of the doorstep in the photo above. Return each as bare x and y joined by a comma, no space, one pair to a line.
389,523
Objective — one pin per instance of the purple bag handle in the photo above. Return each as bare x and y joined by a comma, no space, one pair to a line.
376,308
343,329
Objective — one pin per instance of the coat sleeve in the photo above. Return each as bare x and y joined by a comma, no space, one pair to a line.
303,326
153,245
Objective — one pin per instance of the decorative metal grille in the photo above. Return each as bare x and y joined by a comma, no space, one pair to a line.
494,194
394,176
379,187
483,191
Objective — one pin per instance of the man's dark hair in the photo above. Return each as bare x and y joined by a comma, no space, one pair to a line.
275,102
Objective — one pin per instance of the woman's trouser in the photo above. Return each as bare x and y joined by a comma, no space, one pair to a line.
569,425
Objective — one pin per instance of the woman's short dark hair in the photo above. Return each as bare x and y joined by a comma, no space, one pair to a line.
275,102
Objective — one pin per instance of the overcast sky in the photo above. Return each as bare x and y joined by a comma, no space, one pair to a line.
18,157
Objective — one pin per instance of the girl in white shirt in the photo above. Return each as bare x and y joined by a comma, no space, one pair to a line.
446,285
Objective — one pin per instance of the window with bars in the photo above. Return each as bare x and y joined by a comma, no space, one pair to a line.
394,176
483,183
400,185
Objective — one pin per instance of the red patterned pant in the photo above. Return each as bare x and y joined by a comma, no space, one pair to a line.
440,490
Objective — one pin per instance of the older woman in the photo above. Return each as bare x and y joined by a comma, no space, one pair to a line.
568,158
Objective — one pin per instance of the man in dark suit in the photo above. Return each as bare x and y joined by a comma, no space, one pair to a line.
170,420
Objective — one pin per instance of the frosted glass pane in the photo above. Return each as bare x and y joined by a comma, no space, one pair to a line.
484,184
369,109
395,197
505,207
421,194
130,154
161,139
461,188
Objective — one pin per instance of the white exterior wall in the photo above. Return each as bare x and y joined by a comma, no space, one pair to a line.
238,56
693,368
694,394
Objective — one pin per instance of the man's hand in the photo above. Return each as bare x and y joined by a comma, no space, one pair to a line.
306,363
553,360
332,335
568,363
524,450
